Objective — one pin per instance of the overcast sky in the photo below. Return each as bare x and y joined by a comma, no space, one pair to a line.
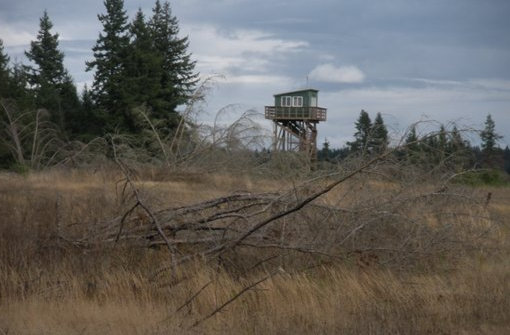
410,60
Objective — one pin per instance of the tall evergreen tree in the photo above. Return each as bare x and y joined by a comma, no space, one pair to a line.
18,88
71,106
5,158
437,146
52,84
489,136
48,71
4,58
413,147
458,149
16,99
178,79
4,72
143,66
44,52
456,142
110,53
325,151
89,120
379,141
506,159
490,140
86,98
363,134
442,141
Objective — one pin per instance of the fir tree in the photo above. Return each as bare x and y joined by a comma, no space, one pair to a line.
48,71
437,146
489,141
87,103
458,149
325,152
4,58
506,159
47,57
5,157
441,139
86,98
413,146
18,88
71,106
109,62
4,72
143,66
90,117
363,134
178,78
379,141
456,142
52,84
489,136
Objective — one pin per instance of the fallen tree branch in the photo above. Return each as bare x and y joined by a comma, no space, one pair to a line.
234,297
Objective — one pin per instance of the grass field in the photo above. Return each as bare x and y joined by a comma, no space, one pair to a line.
50,286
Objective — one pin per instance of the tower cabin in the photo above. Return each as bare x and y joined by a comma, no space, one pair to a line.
295,116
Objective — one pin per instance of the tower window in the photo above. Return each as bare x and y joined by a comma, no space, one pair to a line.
297,102
286,101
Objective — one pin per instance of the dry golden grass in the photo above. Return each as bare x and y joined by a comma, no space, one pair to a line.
49,287
472,300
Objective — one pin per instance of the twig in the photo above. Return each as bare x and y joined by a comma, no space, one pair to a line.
298,206
188,301
142,205
121,226
237,295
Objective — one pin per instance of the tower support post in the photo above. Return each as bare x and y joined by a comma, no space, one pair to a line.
296,135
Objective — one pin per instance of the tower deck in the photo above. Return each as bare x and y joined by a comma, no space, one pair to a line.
296,113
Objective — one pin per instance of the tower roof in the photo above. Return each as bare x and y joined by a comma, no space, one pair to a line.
296,91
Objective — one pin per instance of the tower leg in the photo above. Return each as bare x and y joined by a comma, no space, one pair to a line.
275,136
296,135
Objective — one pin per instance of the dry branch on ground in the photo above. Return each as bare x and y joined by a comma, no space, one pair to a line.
398,223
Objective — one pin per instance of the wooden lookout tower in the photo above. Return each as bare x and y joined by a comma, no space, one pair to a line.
295,116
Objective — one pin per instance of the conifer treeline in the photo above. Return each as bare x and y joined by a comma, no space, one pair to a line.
441,147
144,62
139,63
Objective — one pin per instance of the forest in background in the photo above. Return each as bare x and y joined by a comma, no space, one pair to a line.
142,73
145,97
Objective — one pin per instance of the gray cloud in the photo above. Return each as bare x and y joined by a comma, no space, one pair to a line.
444,59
